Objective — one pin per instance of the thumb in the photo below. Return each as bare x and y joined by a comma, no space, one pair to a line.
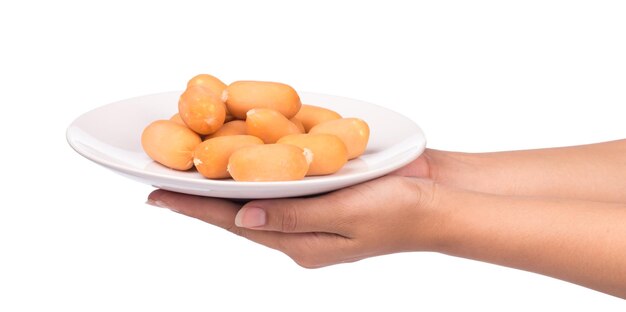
297,215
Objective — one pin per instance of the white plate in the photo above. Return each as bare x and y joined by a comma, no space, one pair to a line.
111,136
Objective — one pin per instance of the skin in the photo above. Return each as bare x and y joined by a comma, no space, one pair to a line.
558,212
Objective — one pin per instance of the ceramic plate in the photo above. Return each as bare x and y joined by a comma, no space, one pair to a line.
111,136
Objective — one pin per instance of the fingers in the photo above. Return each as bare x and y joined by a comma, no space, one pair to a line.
334,212
372,218
219,212
216,211
297,215
310,250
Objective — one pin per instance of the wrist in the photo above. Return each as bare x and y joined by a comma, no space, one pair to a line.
431,210
454,168
443,209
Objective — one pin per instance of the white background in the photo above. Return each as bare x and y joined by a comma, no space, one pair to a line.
475,75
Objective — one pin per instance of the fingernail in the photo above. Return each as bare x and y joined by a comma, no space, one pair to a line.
156,203
250,217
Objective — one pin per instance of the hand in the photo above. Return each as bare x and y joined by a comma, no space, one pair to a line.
463,208
422,167
387,215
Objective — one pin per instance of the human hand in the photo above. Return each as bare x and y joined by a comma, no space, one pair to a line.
422,167
386,215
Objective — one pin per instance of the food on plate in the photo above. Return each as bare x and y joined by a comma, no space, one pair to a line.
234,127
201,110
354,132
176,118
298,124
253,131
269,125
242,96
229,116
269,162
211,156
213,84
329,152
208,82
170,144
311,115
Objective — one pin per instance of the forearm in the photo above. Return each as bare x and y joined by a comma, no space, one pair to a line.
589,172
577,241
